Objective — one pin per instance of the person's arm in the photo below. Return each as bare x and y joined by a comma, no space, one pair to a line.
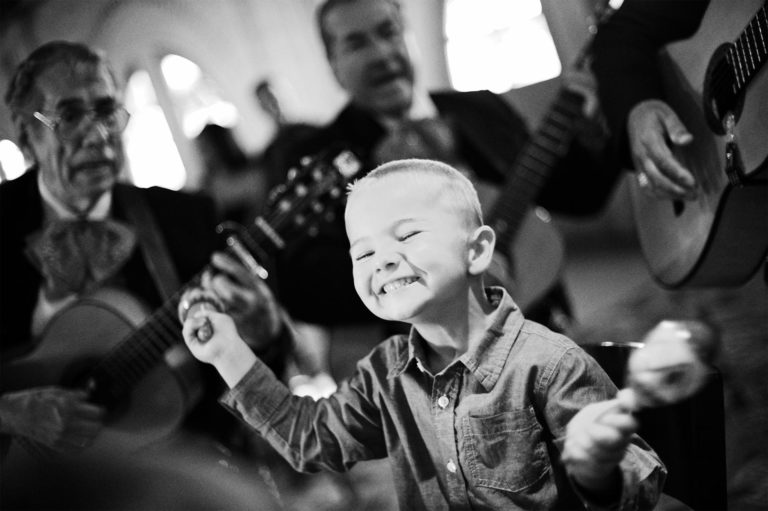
625,62
331,433
609,465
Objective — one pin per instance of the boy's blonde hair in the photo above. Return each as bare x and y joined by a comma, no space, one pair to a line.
459,192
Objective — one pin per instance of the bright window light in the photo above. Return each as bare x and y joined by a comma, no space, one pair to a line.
153,158
498,44
12,163
194,96
180,74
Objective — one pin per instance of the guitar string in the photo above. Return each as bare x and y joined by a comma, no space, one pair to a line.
742,71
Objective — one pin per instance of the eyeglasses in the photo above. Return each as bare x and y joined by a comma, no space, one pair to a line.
71,121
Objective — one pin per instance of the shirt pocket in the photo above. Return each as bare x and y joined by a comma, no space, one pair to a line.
505,451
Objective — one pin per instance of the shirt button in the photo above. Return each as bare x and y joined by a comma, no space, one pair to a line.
451,466
442,402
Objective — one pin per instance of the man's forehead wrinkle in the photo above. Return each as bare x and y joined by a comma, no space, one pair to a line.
61,85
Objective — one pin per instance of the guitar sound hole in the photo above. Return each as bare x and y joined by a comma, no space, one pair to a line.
678,207
718,97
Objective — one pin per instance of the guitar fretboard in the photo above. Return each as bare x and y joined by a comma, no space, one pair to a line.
294,211
749,51
533,166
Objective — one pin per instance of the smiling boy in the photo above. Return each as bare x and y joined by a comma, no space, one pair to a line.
477,408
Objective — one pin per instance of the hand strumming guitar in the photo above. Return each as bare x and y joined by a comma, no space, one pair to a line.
653,129
60,419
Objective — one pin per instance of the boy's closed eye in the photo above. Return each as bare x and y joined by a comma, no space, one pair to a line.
408,235
362,255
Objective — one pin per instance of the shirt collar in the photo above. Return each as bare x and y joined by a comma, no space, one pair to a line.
61,211
485,360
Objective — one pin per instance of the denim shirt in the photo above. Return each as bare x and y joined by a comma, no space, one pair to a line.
484,433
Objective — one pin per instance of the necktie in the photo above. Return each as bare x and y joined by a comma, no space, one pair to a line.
75,256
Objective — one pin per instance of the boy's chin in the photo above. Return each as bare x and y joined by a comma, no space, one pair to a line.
395,314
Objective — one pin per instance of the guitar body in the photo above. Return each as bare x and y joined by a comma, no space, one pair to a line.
155,405
721,238
538,253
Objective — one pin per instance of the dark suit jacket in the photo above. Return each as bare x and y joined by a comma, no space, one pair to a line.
315,276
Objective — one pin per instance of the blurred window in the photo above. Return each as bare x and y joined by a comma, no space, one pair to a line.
154,159
12,163
498,44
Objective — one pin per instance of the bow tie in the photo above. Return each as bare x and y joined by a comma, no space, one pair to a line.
75,256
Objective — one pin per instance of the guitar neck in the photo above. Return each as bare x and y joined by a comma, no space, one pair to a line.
295,209
130,360
746,55
546,147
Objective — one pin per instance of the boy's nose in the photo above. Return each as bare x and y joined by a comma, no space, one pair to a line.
387,260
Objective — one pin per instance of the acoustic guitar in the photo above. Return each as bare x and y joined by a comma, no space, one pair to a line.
717,82
134,362
525,238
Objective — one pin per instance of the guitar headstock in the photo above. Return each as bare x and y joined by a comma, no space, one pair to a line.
312,192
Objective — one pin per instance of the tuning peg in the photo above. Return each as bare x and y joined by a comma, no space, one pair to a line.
276,192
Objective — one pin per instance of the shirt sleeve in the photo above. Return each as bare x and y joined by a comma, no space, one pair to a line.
329,434
575,380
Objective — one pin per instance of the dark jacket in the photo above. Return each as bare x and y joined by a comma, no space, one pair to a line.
315,275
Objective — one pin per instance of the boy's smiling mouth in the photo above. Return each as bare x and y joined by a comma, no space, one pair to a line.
396,284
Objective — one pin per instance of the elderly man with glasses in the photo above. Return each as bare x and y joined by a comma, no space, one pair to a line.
83,257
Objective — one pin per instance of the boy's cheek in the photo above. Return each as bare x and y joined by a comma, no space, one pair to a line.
361,282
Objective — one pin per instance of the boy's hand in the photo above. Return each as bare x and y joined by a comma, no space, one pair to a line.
224,349
595,443
223,335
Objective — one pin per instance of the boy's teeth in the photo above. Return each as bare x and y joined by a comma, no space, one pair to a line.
388,288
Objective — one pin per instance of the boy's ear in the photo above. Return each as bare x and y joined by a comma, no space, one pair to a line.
481,247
